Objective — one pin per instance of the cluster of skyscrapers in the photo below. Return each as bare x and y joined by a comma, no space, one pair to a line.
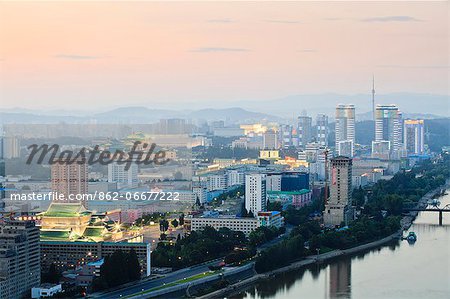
393,137
305,132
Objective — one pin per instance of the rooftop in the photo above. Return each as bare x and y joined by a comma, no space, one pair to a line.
54,235
66,210
300,192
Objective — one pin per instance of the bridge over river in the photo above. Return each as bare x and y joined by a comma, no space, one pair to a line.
437,209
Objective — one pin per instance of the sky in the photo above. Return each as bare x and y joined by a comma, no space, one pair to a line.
89,55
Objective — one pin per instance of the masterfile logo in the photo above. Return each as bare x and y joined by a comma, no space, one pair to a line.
94,155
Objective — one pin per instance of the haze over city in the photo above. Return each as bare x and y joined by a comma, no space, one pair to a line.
163,55
224,149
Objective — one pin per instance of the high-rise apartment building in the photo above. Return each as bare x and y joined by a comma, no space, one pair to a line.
19,258
270,140
286,136
413,136
322,129
235,177
381,149
173,126
201,193
273,181
387,125
304,130
314,155
345,130
217,182
345,148
125,178
10,147
338,207
400,128
255,193
70,178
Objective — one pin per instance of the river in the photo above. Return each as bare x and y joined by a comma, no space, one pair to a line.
400,270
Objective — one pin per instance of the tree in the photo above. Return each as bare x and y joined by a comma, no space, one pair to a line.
393,203
236,256
52,275
358,196
280,254
133,266
274,206
263,234
163,225
118,268
174,223
181,219
114,269
244,212
197,247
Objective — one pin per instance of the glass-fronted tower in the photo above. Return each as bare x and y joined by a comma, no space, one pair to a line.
387,125
345,130
413,136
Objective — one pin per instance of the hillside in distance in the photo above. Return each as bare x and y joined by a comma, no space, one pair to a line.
409,103
137,115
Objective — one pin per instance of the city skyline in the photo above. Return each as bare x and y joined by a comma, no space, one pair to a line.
214,53
196,149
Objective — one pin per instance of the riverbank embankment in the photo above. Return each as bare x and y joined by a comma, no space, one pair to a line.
405,223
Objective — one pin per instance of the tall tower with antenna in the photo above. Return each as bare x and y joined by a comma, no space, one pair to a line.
373,97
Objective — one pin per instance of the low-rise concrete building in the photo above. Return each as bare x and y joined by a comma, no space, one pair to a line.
298,199
243,224
69,255
45,290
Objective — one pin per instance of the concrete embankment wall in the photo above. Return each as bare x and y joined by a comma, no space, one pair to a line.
242,285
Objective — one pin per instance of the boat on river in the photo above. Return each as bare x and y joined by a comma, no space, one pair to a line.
412,237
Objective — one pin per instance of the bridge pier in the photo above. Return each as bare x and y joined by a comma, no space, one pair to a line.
438,210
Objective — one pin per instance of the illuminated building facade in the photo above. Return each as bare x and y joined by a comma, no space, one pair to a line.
413,136
345,130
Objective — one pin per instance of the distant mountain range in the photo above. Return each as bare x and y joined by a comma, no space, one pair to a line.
137,115
411,104
145,115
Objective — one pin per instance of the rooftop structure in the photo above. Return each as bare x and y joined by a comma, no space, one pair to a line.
72,222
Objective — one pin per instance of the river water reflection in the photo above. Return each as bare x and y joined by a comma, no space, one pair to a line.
399,270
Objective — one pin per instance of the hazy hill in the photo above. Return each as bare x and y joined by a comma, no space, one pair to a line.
137,115
436,105
233,115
